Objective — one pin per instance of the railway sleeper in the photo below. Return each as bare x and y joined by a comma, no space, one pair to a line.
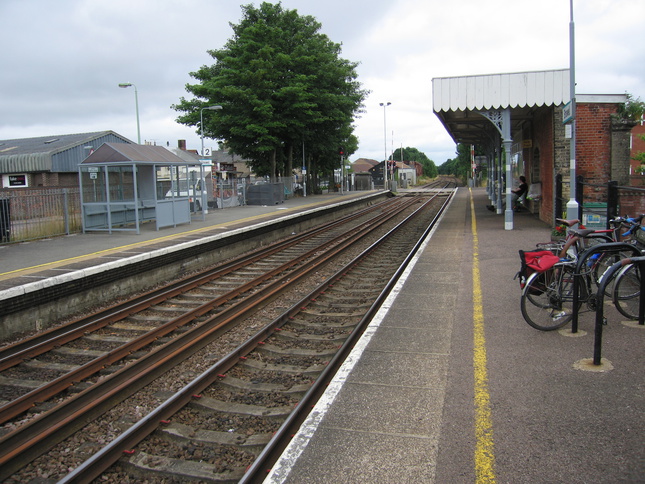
310,322
358,285
349,302
106,338
325,312
276,350
195,296
135,327
209,404
20,382
238,384
143,464
184,433
176,307
49,365
161,309
328,337
67,351
313,370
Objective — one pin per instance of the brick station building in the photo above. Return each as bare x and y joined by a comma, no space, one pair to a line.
522,113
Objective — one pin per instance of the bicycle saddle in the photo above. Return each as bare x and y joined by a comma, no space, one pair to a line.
568,223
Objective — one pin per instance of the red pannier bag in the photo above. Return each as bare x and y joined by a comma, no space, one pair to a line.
535,261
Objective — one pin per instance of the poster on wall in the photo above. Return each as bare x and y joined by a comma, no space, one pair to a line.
14,181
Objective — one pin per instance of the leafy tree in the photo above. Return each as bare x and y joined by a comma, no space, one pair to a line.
413,154
632,109
281,84
460,166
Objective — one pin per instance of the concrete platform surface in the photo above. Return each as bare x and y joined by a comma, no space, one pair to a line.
450,385
26,262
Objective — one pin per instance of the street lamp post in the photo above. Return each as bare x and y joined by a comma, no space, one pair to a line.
201,122
572,204
385,105
136,103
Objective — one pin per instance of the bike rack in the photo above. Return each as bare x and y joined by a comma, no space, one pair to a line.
597,345
582,261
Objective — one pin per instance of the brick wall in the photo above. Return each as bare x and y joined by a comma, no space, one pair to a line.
593,146
637,144
551,151
543,154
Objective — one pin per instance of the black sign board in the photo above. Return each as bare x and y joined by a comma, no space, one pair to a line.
17,180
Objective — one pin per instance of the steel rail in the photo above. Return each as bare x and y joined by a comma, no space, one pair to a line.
26,348
257,471
52,388
33,438
108,455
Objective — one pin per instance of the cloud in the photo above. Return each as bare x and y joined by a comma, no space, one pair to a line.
65,59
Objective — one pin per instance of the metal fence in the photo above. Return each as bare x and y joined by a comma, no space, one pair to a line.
37,213
32,213
599,203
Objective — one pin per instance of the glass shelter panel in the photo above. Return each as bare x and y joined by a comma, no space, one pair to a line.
162,181
93,183
121,183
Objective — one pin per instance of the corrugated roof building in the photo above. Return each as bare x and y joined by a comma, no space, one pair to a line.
50,161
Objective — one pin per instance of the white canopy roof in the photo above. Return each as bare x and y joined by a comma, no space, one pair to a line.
457,101
499,91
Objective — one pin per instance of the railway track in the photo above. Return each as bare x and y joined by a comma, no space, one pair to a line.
214,303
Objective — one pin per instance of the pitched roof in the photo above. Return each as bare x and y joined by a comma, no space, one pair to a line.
363,165
49,144
128,153
50,153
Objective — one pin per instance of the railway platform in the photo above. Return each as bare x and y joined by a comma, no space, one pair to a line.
448,384
29,262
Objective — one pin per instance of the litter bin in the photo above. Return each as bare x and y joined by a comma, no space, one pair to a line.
5,220
594,215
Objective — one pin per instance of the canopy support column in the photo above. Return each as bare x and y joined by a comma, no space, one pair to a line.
501,119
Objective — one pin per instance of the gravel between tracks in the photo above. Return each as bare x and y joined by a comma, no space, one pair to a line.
73,451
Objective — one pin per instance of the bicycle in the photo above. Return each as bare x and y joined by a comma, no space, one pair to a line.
547,300
547,297
583,239
627,284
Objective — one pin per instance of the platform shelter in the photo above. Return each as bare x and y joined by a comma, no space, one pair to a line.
124,185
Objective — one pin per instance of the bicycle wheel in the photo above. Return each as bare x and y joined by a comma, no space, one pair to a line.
602,262
600,265
547,298
627,291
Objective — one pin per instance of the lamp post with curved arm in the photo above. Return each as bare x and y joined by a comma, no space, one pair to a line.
136,103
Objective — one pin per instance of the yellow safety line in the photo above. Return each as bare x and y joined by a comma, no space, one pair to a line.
484,447
145,242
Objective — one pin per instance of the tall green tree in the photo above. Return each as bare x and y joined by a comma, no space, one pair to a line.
459,166
282,84
413,154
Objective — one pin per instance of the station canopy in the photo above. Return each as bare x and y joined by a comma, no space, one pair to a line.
458,101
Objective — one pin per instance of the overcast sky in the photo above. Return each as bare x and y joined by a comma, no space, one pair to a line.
61,61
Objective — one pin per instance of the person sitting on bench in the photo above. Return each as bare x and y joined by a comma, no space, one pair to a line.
518,193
